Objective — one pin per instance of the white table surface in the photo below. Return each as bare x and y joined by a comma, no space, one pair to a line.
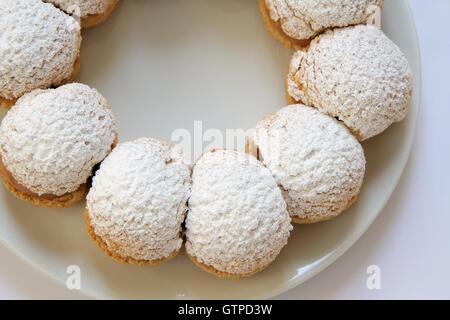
410,241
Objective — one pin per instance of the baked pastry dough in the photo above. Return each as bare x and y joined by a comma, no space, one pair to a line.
40,47
316,161
355,74
50,142
138,201
91,12
237,222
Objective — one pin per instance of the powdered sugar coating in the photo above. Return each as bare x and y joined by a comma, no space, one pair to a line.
138,200
237,221
355,74
304,19
39,46
316,161
87,7
51,139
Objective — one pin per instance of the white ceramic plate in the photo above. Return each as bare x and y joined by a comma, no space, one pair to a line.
163,65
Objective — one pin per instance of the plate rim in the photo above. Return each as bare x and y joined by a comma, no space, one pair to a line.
325,261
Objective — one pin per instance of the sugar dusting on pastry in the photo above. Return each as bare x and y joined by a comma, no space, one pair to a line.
304,19
355,74
237,221
315,160
39,46
138,200
51,139
87,7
